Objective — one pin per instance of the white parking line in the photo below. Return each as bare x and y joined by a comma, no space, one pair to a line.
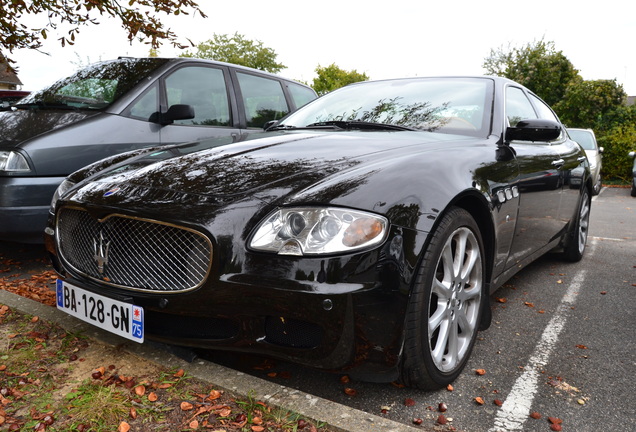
516,408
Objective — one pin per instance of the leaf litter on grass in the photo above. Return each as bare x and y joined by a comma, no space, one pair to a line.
52,380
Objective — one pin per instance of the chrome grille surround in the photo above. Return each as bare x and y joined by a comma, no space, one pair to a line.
135,253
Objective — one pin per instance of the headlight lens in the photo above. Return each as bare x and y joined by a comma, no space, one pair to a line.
13,161
313,231
61,190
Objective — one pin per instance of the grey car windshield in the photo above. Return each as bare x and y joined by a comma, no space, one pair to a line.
447,105
94,87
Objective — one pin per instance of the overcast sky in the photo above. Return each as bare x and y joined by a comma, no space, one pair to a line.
399,38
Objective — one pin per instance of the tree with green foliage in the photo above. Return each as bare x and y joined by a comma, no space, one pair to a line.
598,104
238,50
139,19
332,77
585,103
539,67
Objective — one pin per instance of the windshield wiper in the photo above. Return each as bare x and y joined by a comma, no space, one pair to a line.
45,105
357,124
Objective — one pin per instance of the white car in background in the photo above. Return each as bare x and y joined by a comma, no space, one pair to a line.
587,140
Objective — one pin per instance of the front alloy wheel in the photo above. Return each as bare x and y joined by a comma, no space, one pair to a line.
445,305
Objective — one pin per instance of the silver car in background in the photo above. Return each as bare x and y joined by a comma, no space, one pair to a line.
587,140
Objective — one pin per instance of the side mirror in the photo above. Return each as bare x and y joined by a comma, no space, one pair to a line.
534,130
601,149
269,124
175,112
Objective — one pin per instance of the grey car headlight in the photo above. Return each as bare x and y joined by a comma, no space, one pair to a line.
319,230
13,161
61,190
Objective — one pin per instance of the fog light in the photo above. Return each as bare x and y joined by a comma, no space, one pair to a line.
327,304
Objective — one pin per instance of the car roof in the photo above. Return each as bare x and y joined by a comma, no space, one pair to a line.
177,60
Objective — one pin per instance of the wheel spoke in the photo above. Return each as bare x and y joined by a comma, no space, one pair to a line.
452,347
460,251
437,317
441,341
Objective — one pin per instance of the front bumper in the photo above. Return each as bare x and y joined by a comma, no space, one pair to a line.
343,313
24,207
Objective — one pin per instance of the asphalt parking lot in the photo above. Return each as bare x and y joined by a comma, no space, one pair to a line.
561,345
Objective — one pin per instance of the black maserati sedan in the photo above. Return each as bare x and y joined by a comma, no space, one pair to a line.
361,233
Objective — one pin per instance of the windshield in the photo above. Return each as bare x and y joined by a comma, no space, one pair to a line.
448,105
94,87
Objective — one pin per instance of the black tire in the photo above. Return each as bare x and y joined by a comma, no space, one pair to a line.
633,191
577,240
598,186
444,310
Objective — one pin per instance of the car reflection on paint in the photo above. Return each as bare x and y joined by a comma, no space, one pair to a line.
362,233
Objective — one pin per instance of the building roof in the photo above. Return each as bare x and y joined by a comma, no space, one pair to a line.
8,76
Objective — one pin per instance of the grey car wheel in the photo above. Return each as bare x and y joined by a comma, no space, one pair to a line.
445,305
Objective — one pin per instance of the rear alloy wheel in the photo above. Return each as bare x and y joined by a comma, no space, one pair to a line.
578,235
444,309
598,186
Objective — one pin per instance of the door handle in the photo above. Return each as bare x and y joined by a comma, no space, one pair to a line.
558,163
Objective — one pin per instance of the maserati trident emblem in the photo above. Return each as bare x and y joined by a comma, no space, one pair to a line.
100,246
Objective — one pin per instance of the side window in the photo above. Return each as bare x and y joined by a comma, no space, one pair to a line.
145,105
518,107
544,111
301,95
204,88
263,99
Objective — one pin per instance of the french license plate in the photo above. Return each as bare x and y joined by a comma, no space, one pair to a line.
123,319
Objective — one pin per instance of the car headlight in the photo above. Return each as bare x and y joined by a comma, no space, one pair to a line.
313,231
13,161
61,190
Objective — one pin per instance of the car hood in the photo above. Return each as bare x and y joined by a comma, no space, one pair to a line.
274,161
21,125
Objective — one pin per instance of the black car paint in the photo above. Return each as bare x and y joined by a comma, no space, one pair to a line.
520,194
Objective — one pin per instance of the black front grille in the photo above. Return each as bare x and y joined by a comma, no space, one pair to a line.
292,332
133,253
